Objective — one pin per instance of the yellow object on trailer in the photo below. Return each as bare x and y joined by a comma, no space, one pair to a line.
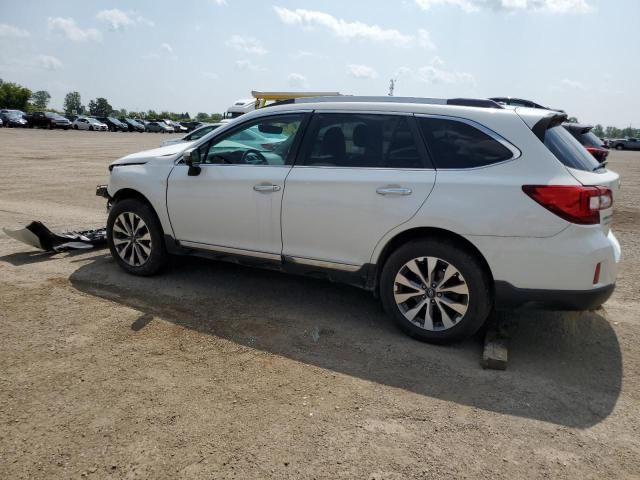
265,98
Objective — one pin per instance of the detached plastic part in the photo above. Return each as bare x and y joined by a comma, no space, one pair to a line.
37,235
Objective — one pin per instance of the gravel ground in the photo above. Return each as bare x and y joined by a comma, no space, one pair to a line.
218,371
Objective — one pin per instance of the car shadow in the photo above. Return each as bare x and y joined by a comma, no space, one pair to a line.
27,258
564,368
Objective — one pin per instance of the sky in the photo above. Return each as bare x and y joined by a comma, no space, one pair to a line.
193,56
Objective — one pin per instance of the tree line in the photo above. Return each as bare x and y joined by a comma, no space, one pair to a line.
17,97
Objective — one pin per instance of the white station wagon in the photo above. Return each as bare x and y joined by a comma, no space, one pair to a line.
442,208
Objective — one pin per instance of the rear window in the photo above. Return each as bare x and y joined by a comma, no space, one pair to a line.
568,150
455,144
590,139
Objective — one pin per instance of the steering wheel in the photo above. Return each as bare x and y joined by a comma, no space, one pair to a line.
253,157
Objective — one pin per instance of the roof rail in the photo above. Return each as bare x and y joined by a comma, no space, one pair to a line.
465,102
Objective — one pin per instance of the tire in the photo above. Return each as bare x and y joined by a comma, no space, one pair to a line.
445,258
132,259
619,147
91,128
75,127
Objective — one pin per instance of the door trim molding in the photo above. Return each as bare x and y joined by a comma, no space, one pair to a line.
232,251
322,264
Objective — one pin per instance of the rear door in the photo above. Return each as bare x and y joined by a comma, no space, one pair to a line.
358,176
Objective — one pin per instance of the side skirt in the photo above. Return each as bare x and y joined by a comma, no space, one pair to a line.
363,277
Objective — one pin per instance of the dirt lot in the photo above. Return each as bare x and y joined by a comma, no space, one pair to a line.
218,371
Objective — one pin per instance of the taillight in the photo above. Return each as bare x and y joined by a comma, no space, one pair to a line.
576,204
599,153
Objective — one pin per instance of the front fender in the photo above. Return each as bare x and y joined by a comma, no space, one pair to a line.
149,181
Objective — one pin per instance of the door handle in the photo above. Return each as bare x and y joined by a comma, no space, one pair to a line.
394,191
266,188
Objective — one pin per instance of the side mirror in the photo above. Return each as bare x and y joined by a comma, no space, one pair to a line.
191,159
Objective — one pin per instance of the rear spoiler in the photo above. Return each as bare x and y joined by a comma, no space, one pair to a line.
549,121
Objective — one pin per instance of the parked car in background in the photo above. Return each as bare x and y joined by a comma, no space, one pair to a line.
49,120
89,123
1,122
176,126
158,127
133,125
625,144
7,111
588,140
13,119
193,125
113,124
421,201
195,135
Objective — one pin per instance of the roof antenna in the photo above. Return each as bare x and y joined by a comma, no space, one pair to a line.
392,86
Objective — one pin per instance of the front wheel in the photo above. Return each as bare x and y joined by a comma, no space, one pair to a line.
435,291
619,147
135,238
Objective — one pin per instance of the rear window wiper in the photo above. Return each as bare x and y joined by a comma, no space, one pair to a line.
598,167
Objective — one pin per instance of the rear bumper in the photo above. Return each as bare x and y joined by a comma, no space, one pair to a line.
565,262
508,296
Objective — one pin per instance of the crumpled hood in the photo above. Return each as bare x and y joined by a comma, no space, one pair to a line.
154,154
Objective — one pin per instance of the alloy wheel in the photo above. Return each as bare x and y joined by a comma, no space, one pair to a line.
431,293
132,239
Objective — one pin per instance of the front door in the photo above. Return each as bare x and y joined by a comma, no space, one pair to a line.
234,203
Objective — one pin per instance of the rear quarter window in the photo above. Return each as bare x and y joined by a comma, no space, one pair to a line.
568,150
456,144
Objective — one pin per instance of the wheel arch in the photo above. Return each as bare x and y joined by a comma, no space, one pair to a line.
167,231
126,193
417,233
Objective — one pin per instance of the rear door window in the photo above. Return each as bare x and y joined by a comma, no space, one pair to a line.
362,141
568,150
456,144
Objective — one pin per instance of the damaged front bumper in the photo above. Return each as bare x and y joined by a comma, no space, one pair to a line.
102,191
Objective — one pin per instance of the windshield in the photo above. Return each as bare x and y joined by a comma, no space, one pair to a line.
568,150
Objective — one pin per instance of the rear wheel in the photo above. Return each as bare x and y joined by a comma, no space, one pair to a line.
435,291
619,147
135,238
